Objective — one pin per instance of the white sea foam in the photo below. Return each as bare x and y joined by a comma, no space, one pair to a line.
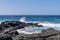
23,31
29,30
23,19
53,25
1,21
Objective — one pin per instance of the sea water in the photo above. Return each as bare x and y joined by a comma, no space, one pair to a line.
41,18
30,30
48,21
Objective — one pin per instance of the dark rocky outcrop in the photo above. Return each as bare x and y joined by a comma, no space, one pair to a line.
40,25
8,32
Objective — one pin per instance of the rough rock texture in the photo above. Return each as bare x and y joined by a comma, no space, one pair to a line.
5,37
8,32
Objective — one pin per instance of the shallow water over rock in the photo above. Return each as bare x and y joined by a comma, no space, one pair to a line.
30,30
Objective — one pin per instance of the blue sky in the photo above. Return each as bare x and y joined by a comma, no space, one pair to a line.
29,7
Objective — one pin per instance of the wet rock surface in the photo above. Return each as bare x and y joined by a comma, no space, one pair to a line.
8,32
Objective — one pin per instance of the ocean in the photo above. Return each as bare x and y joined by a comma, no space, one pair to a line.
41,18
46,20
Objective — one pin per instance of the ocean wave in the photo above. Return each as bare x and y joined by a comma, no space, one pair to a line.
53,25
1,21
44,23
23,19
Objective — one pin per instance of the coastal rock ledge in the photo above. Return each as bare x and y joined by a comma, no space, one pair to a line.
8,32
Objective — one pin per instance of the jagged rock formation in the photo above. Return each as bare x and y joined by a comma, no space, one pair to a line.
8,32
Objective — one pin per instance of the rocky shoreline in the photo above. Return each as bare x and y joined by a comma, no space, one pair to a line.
8,32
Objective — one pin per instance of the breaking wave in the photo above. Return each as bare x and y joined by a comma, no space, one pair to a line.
45,24
23,19
50,24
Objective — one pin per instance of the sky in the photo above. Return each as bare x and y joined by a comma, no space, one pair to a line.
29,7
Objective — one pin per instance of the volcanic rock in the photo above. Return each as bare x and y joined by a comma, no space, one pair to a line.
8,32
50,32
5,37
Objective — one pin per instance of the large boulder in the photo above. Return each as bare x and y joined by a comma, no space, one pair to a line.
11,23
15,24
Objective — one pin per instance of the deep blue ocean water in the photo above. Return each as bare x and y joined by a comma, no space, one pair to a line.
42,18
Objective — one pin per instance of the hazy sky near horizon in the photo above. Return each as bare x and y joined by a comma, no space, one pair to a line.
29,7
